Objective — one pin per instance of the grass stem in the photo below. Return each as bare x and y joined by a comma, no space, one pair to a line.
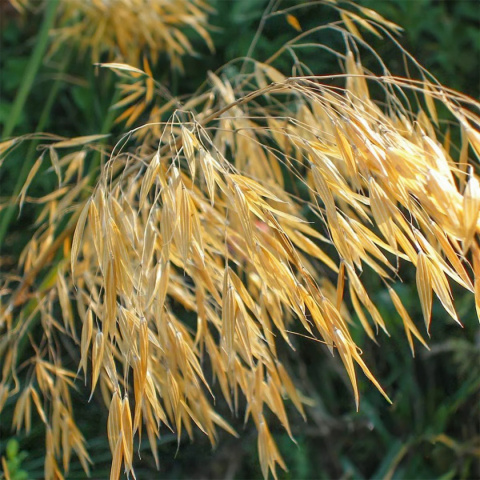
6,218
32,68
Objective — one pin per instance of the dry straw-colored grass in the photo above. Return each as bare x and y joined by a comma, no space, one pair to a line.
127,29
192,211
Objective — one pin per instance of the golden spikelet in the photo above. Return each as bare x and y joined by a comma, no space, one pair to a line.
424,286
408,324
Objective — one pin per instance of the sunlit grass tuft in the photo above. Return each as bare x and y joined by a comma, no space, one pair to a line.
259,204
127,29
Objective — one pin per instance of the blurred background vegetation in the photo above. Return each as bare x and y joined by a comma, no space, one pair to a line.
432,429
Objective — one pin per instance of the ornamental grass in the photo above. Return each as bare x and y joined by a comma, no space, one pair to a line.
125,29
256,206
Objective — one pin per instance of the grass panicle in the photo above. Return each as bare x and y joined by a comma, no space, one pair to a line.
125,30
258,205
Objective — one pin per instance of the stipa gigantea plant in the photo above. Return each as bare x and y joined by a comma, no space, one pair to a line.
196,212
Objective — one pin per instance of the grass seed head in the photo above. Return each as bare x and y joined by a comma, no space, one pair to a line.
206,213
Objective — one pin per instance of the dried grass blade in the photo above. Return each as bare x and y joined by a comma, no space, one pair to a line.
97,359
206,164
476,272
429,100
149,178
380,206
87,331
55,164
114,425
407,321
361,315
340,286
351,27
290,389
369,374
471,211
127,435
345,351
452,257
117,459
77,236
442,289
424,287
135,72
243,211
228,316
77,141
31,175
293,22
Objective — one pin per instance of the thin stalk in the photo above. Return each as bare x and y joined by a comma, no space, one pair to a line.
32,68
29,277
69,229
106,127
6,218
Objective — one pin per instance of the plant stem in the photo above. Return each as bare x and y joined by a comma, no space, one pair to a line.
30,276
106,127
32,68
6,218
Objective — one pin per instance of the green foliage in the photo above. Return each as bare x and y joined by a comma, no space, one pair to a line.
14,460
443,35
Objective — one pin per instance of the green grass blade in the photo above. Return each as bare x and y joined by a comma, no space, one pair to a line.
32,68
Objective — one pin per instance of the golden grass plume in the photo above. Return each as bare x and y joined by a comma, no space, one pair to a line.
127,30
257,204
